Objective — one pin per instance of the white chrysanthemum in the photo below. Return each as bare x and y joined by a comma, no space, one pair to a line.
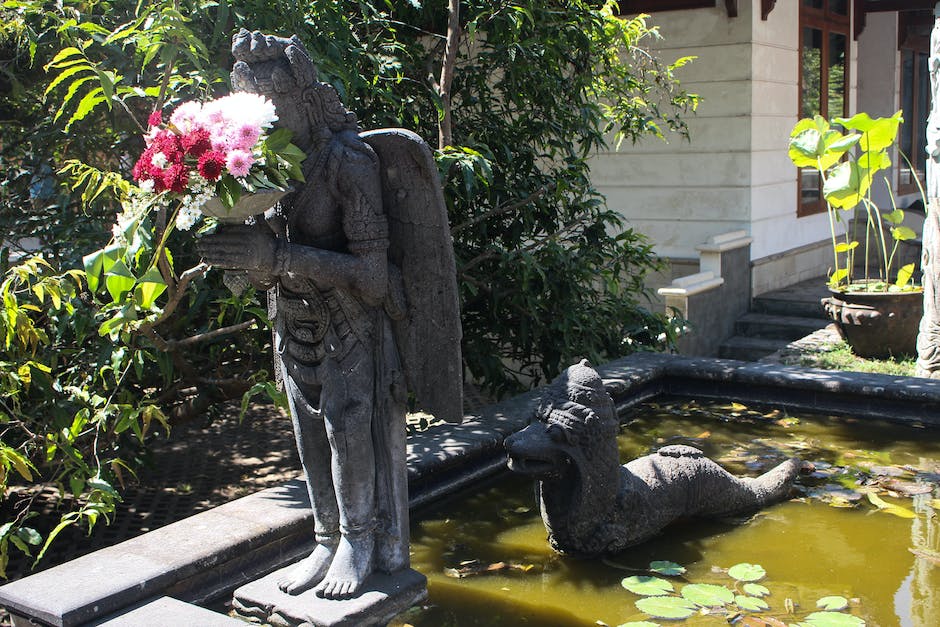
241,108
187,116
146,186
117,232
158,159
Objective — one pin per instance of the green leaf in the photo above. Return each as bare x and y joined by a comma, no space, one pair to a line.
902,233
836,277
904,275
845,185
669,569
751,604
65,522
878,133
666,607
707,595
149,287
895,217
747,572
842,247
805,148
884,506
119,280
833,619
29,535
756,590
647,586
835,603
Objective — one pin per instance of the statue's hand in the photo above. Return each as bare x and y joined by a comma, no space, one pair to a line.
240,247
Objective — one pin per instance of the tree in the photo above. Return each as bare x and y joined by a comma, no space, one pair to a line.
519,94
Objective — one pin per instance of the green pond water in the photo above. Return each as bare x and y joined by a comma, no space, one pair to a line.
867,529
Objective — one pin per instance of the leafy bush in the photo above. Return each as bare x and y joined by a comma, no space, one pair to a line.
528,91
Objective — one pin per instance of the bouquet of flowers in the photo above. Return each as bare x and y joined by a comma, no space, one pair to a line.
218,149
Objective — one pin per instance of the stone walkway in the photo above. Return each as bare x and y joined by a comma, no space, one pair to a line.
802,352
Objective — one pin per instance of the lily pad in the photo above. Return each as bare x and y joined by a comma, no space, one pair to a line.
747,572
756,590
832,603
751,604
833,619
669,569
647,586
707,595
675,608
886,507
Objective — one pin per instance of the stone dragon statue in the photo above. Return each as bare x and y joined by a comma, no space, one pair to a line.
590,504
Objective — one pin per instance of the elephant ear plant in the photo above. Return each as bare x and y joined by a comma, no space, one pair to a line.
847,164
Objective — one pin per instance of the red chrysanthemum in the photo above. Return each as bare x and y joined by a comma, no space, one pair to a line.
155,119
196,142
211,164
176,178
169,144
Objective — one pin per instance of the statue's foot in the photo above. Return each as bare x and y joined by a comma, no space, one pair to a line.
310,570
350,568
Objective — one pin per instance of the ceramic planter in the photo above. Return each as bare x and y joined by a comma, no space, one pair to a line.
877,324
249,204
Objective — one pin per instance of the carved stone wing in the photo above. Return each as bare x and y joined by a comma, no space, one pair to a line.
420,246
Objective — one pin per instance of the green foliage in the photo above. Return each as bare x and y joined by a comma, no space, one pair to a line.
727,602
847,178
109,343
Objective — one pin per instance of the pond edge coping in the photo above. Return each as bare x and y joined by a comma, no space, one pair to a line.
196,559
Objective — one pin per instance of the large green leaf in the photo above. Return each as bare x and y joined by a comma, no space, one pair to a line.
751,604
674,608
669,569
747,572
902,233
647,586
904,275
119,280
756,590
877,133
845,186
833,619
834,603
707,595
149,288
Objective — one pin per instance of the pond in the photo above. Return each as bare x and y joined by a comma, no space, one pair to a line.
865,528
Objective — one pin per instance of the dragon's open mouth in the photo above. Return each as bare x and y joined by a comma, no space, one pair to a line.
535,466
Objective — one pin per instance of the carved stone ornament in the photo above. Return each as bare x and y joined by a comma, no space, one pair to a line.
592,505
928,338
359,265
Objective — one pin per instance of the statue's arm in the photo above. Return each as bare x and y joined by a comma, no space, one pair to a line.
364,269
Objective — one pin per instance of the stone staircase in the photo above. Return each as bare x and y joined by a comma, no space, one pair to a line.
776,319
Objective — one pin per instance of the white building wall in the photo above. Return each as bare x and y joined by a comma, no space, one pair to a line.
682,192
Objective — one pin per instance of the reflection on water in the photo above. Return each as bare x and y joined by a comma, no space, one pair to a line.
488,562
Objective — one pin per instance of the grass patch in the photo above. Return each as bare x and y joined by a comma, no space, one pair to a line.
839,356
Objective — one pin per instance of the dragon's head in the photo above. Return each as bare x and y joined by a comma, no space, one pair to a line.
575,424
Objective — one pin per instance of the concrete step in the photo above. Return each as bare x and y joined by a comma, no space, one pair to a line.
783,306
777,327
801,299
749,348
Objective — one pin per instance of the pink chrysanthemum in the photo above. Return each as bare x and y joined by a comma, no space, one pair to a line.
239,162
246,135
155,119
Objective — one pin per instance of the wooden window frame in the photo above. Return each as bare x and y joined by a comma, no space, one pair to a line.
828,22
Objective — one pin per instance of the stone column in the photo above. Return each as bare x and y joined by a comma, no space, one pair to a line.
928,340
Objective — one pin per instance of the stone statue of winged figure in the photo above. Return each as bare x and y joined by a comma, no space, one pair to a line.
359,265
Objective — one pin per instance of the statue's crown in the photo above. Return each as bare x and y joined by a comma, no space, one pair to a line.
583,384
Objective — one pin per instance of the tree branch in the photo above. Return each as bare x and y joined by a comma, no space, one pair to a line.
211,335
504,209
445,126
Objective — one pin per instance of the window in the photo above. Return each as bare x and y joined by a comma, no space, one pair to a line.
824,55
913,38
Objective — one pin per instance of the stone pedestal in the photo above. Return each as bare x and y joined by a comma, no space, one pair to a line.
382,598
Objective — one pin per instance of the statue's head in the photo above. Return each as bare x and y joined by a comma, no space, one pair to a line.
281,69
576,424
